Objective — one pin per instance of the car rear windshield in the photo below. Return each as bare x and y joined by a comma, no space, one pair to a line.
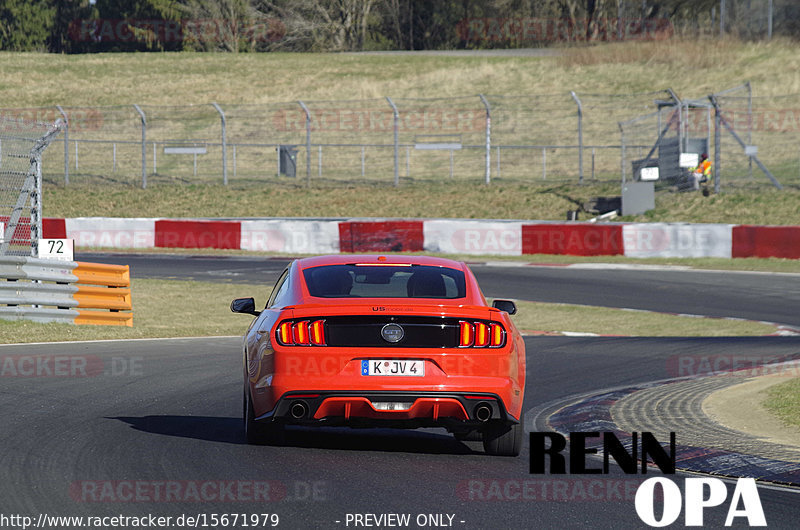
387,281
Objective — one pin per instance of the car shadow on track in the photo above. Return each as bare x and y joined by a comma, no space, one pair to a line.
229,430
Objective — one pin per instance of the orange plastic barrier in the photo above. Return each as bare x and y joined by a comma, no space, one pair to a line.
104,318
117,298
102,274
103,293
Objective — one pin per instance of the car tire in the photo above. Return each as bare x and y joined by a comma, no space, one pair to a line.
257,433
503,439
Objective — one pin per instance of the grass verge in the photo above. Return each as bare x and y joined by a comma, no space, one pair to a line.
501,200
161,308
536,316
783,400
176,308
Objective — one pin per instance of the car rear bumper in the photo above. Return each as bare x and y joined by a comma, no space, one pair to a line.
452,410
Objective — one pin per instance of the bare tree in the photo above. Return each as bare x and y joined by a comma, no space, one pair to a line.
216,24
333,25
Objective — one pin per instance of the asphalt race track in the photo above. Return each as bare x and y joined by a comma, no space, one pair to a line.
754,296
153,426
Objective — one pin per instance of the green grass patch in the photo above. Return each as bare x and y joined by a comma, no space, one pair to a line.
783,400
536,316
177,308
501,200
161,308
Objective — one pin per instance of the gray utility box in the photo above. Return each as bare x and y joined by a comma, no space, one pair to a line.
638,197
287,160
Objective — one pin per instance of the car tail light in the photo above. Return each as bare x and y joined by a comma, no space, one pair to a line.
497,336
480,335
301,333
317,333
285,333
466,334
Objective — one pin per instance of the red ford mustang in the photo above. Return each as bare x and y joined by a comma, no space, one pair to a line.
392,341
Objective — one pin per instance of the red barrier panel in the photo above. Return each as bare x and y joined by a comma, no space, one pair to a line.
766,242
198,234
381,236
53,228
572,239
22,232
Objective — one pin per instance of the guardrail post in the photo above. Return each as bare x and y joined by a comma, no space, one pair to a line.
66,144
488,137
308,143
396,133
144,145
580,136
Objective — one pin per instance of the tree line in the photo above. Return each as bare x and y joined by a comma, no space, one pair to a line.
81,26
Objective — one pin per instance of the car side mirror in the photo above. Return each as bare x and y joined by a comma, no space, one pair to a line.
505,305
245,305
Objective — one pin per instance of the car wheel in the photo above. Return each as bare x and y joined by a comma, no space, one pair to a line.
503,439
259,433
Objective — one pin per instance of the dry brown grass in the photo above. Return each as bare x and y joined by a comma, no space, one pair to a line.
696,66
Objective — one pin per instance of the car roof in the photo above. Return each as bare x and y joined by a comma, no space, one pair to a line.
377,259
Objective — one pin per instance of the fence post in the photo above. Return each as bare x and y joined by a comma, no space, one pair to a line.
544,163
488,137
144,146
308,143
679,105
622,149
749,124
36,208
580,136
396,131
66,144
717,147
224,145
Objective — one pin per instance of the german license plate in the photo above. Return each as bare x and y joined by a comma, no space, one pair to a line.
393,367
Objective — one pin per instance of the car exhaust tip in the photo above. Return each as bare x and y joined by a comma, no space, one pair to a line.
298,410
483,412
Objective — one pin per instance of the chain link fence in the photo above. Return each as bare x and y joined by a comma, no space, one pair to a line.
567,137
22,143
558,137
755,19
751,141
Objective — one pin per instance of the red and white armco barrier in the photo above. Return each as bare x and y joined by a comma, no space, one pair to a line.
452,236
